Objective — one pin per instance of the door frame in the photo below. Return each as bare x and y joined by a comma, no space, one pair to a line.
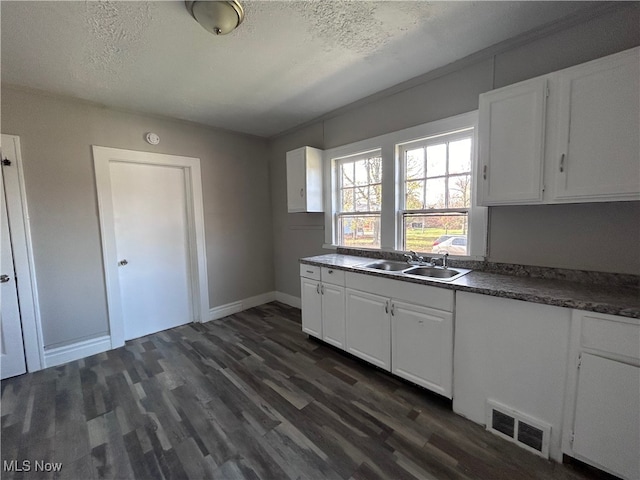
20,233
102,157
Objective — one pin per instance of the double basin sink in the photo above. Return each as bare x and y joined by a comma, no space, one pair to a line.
424,271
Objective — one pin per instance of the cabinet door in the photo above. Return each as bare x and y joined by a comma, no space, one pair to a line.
422,346
607,417
311,307
304,180
511,143
296,182
333,315
368,328
598,152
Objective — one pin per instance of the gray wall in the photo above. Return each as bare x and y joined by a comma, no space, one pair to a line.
296,235
568,236
56,135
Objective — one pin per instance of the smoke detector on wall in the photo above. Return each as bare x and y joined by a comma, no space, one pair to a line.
217,17
152,138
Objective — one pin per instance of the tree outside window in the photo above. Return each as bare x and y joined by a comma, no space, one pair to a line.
360,200
437,192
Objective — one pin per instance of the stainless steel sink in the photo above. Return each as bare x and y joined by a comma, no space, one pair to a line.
387,265
424,271
437,272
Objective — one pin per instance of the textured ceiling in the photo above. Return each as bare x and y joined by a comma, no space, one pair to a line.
288,63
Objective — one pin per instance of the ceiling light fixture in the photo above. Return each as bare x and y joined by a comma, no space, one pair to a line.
217,17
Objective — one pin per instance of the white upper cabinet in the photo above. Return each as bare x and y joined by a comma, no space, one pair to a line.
511,133
304,180
597,154
570,136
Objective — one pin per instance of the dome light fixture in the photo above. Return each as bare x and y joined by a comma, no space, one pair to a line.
217,17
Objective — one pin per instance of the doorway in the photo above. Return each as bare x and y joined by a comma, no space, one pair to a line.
20,334
12,360
152,227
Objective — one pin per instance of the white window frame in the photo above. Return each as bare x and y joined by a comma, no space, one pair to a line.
392,191
424,142
338,162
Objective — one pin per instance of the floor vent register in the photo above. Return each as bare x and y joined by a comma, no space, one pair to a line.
517,427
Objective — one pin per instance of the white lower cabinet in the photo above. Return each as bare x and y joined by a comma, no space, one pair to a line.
369,328
393,325
311,307
422,346
510,357
602,416
512,354
607,420
404,328
333,314
323,304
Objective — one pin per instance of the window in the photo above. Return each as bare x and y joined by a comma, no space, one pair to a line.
359,185
408,190
436,193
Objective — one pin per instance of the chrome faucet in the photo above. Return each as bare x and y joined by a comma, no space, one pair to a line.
444,258
413,258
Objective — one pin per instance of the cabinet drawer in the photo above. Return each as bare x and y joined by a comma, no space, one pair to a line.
434,297
610,334
310,271
333,276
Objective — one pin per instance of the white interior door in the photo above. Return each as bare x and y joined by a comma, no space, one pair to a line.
12,359
151,233
152,217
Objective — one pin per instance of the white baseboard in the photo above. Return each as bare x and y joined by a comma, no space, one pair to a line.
289,299
235,307
76,351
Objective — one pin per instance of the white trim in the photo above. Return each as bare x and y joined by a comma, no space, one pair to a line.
406,135
222,311
102,156
23,254
391,197
289,299
76,351
466,132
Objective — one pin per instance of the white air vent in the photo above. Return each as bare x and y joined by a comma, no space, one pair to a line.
523,430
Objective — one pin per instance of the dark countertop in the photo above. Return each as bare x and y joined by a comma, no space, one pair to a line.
595,297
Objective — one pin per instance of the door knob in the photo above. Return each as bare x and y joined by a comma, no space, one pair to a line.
4,278
122,263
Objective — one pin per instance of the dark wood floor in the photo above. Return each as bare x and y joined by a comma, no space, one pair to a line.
245,397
